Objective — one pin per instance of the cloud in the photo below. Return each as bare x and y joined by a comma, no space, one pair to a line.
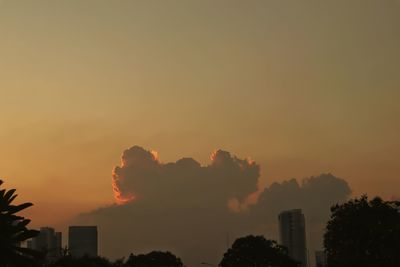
313,195
142,176
137,172
193,210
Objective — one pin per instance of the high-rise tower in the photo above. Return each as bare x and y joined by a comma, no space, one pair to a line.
292,232
47,241
82,240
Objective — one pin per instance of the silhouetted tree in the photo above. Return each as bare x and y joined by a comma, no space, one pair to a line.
13,231
256,251
363,233
85,261
154,259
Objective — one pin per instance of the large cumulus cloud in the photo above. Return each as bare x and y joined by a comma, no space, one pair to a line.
194,210
142,176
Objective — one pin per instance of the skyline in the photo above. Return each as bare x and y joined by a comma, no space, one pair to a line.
82,240
258,250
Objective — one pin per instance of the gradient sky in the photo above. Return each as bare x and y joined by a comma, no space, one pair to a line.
302,87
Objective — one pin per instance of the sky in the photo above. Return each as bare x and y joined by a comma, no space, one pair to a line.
301,87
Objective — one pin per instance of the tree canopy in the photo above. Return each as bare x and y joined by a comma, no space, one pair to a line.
13,231
256,251
154,259
85,261
363,233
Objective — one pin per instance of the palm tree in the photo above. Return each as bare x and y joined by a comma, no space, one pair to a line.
13,231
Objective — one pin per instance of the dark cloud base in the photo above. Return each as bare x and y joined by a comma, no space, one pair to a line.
195,210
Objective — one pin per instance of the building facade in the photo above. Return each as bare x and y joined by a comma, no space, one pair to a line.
320,259
82,240
47,241
292,232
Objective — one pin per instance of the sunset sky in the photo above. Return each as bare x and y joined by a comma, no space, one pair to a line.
301,87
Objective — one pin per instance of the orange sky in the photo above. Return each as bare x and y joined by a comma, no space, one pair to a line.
299,86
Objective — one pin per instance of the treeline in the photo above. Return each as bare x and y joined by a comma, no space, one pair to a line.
152,259
360,232
246,251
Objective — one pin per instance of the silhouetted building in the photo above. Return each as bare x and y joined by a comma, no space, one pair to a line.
58,240
292,233
320,259
47,241
82,240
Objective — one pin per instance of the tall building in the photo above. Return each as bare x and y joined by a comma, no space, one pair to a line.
320,259
48,241
82,240
292,233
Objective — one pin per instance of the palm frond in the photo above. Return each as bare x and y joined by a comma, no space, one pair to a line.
14,209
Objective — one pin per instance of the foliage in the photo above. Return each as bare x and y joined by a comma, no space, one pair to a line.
256,251
154,259
85,261
363,233
13,231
